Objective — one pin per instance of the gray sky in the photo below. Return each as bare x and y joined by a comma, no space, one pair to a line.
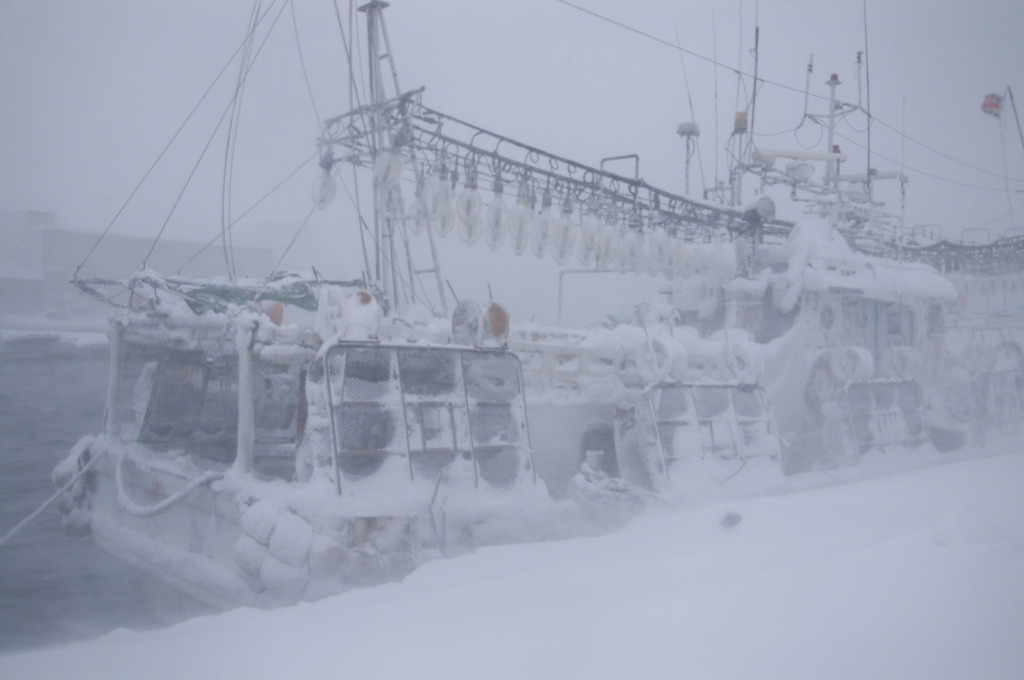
93,91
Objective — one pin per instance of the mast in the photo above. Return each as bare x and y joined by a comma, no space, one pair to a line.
382,232
832,173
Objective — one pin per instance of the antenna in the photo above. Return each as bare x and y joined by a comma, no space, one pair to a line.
867,83
807,84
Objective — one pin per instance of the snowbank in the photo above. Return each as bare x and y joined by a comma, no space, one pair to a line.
913,575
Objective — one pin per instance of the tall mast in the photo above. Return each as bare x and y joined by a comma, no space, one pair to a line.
383,226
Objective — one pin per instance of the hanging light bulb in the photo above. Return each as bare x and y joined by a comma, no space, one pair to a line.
441,210
520,221
626,250
419,217
659,253
607,237
469,207
324,188
388,169
541,238
563,237
497,213
590,228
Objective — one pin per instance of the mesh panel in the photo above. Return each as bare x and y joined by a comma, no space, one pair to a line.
494,391
365,423
492,377
435,406
431,403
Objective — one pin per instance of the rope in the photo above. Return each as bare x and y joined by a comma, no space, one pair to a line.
918,171
156,162
782,86
302,62
238,219
60,492
133,508
208,143
284,254
228,170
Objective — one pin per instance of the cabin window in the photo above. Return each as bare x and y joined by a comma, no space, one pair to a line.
899,326
192,401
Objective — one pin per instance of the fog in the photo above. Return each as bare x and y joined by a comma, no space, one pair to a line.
900,565
94,92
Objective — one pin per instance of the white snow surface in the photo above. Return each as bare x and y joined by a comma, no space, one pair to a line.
867,572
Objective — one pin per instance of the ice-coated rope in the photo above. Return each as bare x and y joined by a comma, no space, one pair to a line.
60,492
133,508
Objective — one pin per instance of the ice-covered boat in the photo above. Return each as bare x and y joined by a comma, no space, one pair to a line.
862,323
279,439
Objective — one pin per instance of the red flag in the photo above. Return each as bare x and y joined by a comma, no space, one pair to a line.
993,105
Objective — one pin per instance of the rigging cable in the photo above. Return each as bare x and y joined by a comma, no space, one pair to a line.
782,86
302,63
693,115
353,94
249,210
160,156
1006,178
867,87
195,167
228,169
918,171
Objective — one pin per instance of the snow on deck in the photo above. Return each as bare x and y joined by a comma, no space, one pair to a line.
915,574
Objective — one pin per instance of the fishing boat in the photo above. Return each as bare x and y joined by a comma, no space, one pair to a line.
278,439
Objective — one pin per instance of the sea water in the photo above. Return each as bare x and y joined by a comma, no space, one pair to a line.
53,588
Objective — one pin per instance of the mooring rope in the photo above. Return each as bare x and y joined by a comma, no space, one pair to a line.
53,499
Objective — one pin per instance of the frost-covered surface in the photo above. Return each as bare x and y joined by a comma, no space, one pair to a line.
912,574
60,343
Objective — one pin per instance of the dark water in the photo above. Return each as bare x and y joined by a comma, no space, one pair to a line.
53,588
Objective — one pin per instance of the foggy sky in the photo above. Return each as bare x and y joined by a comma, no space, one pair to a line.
93,91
